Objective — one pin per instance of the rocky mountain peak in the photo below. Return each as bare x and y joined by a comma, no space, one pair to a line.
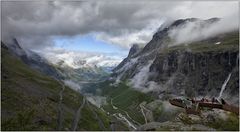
133,50
161,37
176,68
16,44
183,21
214,19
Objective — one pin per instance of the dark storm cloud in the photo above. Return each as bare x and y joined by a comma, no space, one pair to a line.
34,23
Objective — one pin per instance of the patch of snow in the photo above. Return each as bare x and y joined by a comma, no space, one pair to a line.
77,60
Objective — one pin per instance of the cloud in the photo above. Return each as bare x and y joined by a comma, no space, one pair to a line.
199,30
120,23
96,100
72,85
141,78
35,42
127,39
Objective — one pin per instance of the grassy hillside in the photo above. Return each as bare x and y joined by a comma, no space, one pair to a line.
228,42
29,100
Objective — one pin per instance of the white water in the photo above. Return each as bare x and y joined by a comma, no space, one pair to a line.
224,86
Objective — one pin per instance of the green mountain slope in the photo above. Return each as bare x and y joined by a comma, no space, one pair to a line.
197,69
227,42
125,98
31,101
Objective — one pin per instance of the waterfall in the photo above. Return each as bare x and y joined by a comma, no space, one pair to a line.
224,86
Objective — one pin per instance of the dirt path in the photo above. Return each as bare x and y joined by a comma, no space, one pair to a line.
126,113
60,111
123,118
142,110
145,118
100,122
78,115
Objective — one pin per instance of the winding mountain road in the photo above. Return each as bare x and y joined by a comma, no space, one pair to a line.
60,111
142,110
78,115
100,122
123,118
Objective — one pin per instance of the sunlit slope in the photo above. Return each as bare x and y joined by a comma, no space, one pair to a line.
29,100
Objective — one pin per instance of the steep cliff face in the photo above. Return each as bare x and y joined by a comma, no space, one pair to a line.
196,69
196,74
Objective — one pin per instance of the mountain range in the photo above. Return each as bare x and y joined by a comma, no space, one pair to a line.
76,92
69,65
192,69
167,68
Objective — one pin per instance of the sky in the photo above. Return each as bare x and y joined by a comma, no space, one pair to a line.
86,43
104,27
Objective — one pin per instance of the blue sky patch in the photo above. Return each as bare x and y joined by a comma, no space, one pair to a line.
88,43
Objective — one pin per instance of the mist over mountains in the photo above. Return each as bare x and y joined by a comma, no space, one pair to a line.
163,65
120,65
